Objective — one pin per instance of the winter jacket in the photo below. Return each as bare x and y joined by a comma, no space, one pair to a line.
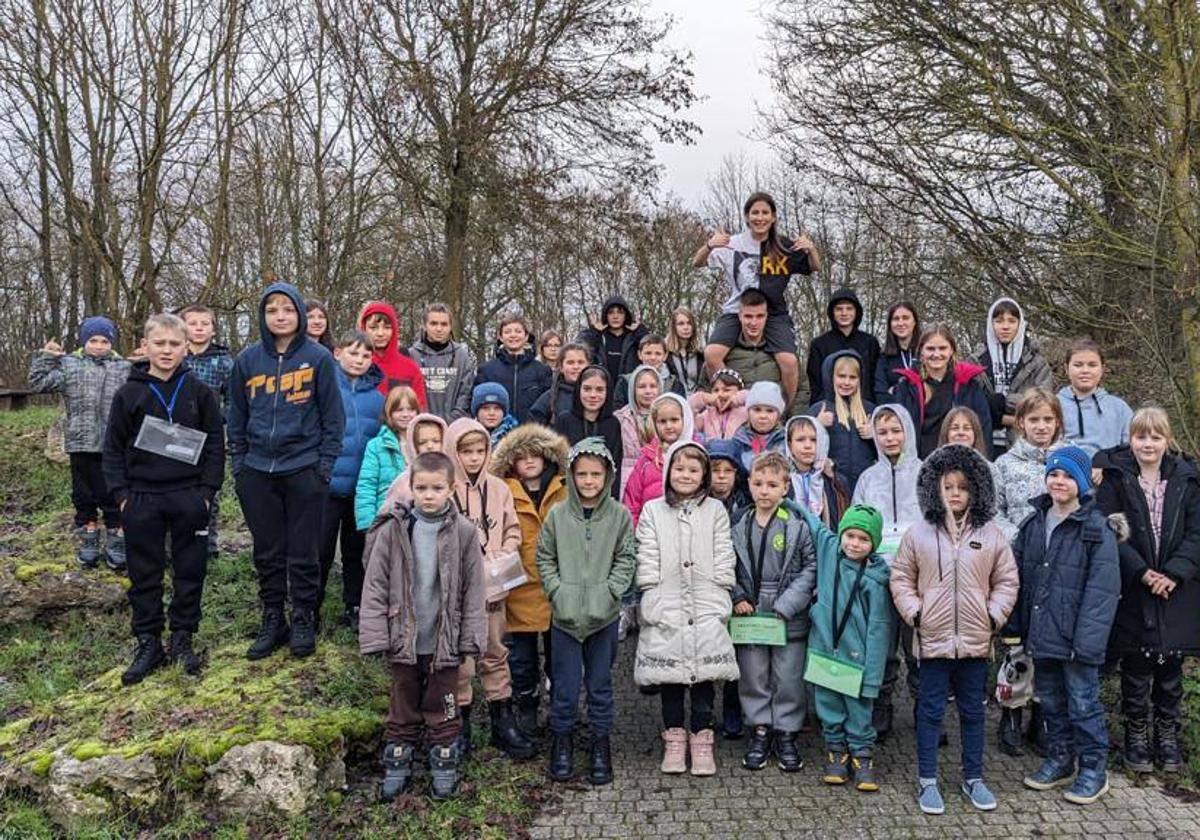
382,463
646,479
685,570
892,488
712,424
401,487
634,424
484,500
1098,421
553,402
752,362
967,392
88,385
396,367
523,377
849,450
815,492
668,384
1010,370
528,611
285,410
575,428
448,374
787,591
387,614
1070,589
686,368
213,367
586,563
128,469
750,443
954,594
867,635
1146,623
1020,477
362,404
594,338
887,373
828,343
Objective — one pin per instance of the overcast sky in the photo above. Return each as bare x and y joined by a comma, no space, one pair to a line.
725,38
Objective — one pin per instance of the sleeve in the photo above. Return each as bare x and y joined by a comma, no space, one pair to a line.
539,412
982,409
1003,515
618,454
649,564
510,539
724,561
547,557
1016,619
826,542
813,369
621,393
1098,604
366,489
633,495
1110,500
333,415
1183,566
620,576
797,598
226,374
237,417
373,607
116,444
466,384
472,633
903,582
418,385
45,373
213,473
883,393
1005,582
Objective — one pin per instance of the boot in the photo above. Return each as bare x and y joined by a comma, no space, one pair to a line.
865,779
787,752
758,750
303,640
397,770
562,757
1167,754
464,733
1010,732
443,771
600,761
146,659
273,634
1138,757
1036,735
837,766
674,758
700,747
526,709
180,651
506,736
87,546
114,549
881,718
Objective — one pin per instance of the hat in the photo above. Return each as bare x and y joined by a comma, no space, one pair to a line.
766,394
97,325
866,519
489,393
730,376
1074,462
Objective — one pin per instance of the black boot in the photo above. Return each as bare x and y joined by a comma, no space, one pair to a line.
758,750
180,651
526,709
1010,738
1167,753
787,752
1037,733
562,757
881,718
303,640
146,659
506,737
397,770
600,761
464,733
273,634
1138,757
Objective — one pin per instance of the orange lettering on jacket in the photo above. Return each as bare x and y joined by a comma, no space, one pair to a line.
295,385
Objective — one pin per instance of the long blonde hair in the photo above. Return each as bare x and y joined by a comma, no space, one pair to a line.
852,408
1151,419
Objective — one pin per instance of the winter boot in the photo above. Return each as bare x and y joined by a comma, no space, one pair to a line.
865,779
87,546
837,766
1167,753
303,639
758,750
600,761
700,747
146,659
443,771
397,770
273,634
787,752
114,549
525,708
732,726
1009,738
881,718
1037,733
1138,757
562,757
674,758
179,649
506,736
464,743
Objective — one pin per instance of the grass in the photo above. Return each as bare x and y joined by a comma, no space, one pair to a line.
59,689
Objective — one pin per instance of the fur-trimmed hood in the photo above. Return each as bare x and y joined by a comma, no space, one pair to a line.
529,439
951,458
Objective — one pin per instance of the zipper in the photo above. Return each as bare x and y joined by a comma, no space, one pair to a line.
275,409
956,558
895,507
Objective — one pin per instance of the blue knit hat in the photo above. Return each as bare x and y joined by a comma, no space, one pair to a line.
489,393
97,325
1074,462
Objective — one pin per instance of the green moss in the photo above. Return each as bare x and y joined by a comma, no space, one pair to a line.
28,571
89,749
39,763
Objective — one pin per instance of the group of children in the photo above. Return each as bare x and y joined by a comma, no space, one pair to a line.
516,522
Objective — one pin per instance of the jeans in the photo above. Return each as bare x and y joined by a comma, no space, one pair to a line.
968,678
702,705
1074,716
523,660
592,661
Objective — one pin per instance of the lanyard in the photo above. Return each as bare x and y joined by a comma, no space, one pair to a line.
837,577
481,524
169,406
756,562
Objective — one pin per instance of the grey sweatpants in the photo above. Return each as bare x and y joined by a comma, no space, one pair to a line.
771,685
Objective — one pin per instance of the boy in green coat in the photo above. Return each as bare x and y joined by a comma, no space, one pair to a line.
851,621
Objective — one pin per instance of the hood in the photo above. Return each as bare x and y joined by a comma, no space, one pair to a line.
613,301
827,371
591,446
841,296
1017,346
963,373
632,379
528,355
529,439
301,336
822,439
673,450
409,440
606,410
978,472
369,381
455,432
379,307
728,450
910,432
689,421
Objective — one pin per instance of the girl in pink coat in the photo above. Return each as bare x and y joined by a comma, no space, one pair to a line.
672,421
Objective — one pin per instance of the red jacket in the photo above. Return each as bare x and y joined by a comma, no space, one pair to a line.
398,369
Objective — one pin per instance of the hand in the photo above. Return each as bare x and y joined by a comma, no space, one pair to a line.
825,418
719,239
803,243
1097,477
828,469
743,608
595,323
53,348
864,430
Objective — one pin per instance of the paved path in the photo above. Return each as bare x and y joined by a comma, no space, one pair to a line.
739,804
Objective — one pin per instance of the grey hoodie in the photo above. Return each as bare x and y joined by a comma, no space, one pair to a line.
809,488
449,376
1098,421
892,488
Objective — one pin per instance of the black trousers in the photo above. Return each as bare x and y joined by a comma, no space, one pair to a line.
150,518
283,513
1148,682
89,492
523,660
702,705
338,517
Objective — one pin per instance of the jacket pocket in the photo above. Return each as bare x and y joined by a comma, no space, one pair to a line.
395,629
652,610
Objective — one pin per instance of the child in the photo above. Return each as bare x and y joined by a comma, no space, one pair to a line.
845,317
1070,584
489,406
1093,419
592,416
954,582
814,484
941,383
516,367
318,328
721,412
637,429
776,576
613,338
163,496
426,433
652,353
378,320
1012,364
285,432
385,457
672,421
899,346
550,344
586,559
763,429
843,411
358,382
1020,472
962,426
447,366
423,606
685,571
1158,620
532,461
685,356
88,379
559,397
851,621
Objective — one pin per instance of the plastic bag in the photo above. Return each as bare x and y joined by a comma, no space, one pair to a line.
504,574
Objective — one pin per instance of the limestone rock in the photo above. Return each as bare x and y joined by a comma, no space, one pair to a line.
264,776
31,591
94,787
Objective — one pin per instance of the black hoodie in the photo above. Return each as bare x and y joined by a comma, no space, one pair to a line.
128,469
624,347
574,428
826,344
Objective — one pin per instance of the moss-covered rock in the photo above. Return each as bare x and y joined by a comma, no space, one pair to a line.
40,589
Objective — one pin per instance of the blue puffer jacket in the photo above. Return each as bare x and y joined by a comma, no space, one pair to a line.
362,404
523,377
849,450
1069,590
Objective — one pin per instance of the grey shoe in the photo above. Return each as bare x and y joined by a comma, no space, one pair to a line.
397,770
114,549
443,771
87,546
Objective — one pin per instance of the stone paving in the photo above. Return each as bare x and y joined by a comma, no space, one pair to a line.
737,803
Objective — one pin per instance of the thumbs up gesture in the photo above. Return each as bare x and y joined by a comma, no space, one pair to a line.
719,239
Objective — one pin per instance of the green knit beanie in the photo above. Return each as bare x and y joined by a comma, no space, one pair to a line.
866,519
